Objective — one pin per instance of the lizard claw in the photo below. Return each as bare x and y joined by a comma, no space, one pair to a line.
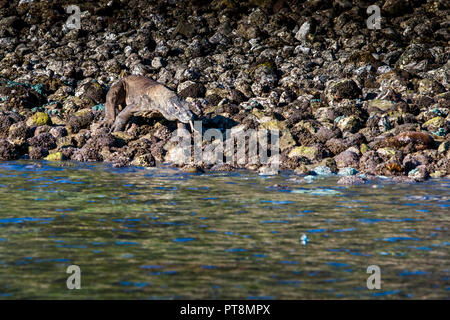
192,126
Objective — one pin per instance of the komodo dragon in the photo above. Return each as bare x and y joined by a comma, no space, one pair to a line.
138,95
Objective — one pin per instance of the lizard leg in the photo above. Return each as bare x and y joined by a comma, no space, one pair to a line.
123,117
114,98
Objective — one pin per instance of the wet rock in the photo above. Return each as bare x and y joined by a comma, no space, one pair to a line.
347,171
80,120
324,134
303,32
411,161
337,146
21,95
19,133
351,124
392,166
387,152
343,89
247,31
265,78
191,89
352,180
380,106
95,147
430,87
396,7
237,96
145,160
414,58
369,162
330,163
223,167
42,129
158,63
347,159
5,122
43,140
185,28
310,153
37,153
7,150
58,131
421,173
92,91
192,169
303,135
322,171
67,141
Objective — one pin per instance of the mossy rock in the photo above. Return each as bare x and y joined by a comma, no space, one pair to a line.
434,123
123,136
389,152
310,153
273,125
268,64
383,105
363,148
39,119
286,140
437,174
351,124
57,156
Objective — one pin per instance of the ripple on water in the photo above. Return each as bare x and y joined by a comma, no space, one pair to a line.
183,239
337,264
396,239
316,192
413,273
235,250
25,219
151,266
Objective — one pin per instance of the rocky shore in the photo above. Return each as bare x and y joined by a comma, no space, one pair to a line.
346,99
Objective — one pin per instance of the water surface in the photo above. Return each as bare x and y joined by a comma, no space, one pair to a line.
160,233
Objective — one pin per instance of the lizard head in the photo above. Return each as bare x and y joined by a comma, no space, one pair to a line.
170,105
178,109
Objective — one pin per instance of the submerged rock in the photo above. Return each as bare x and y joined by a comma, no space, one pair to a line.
351,180
348,171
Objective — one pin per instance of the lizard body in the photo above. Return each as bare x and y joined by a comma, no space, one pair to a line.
138,95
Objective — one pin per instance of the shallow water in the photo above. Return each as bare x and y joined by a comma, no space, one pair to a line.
162,234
